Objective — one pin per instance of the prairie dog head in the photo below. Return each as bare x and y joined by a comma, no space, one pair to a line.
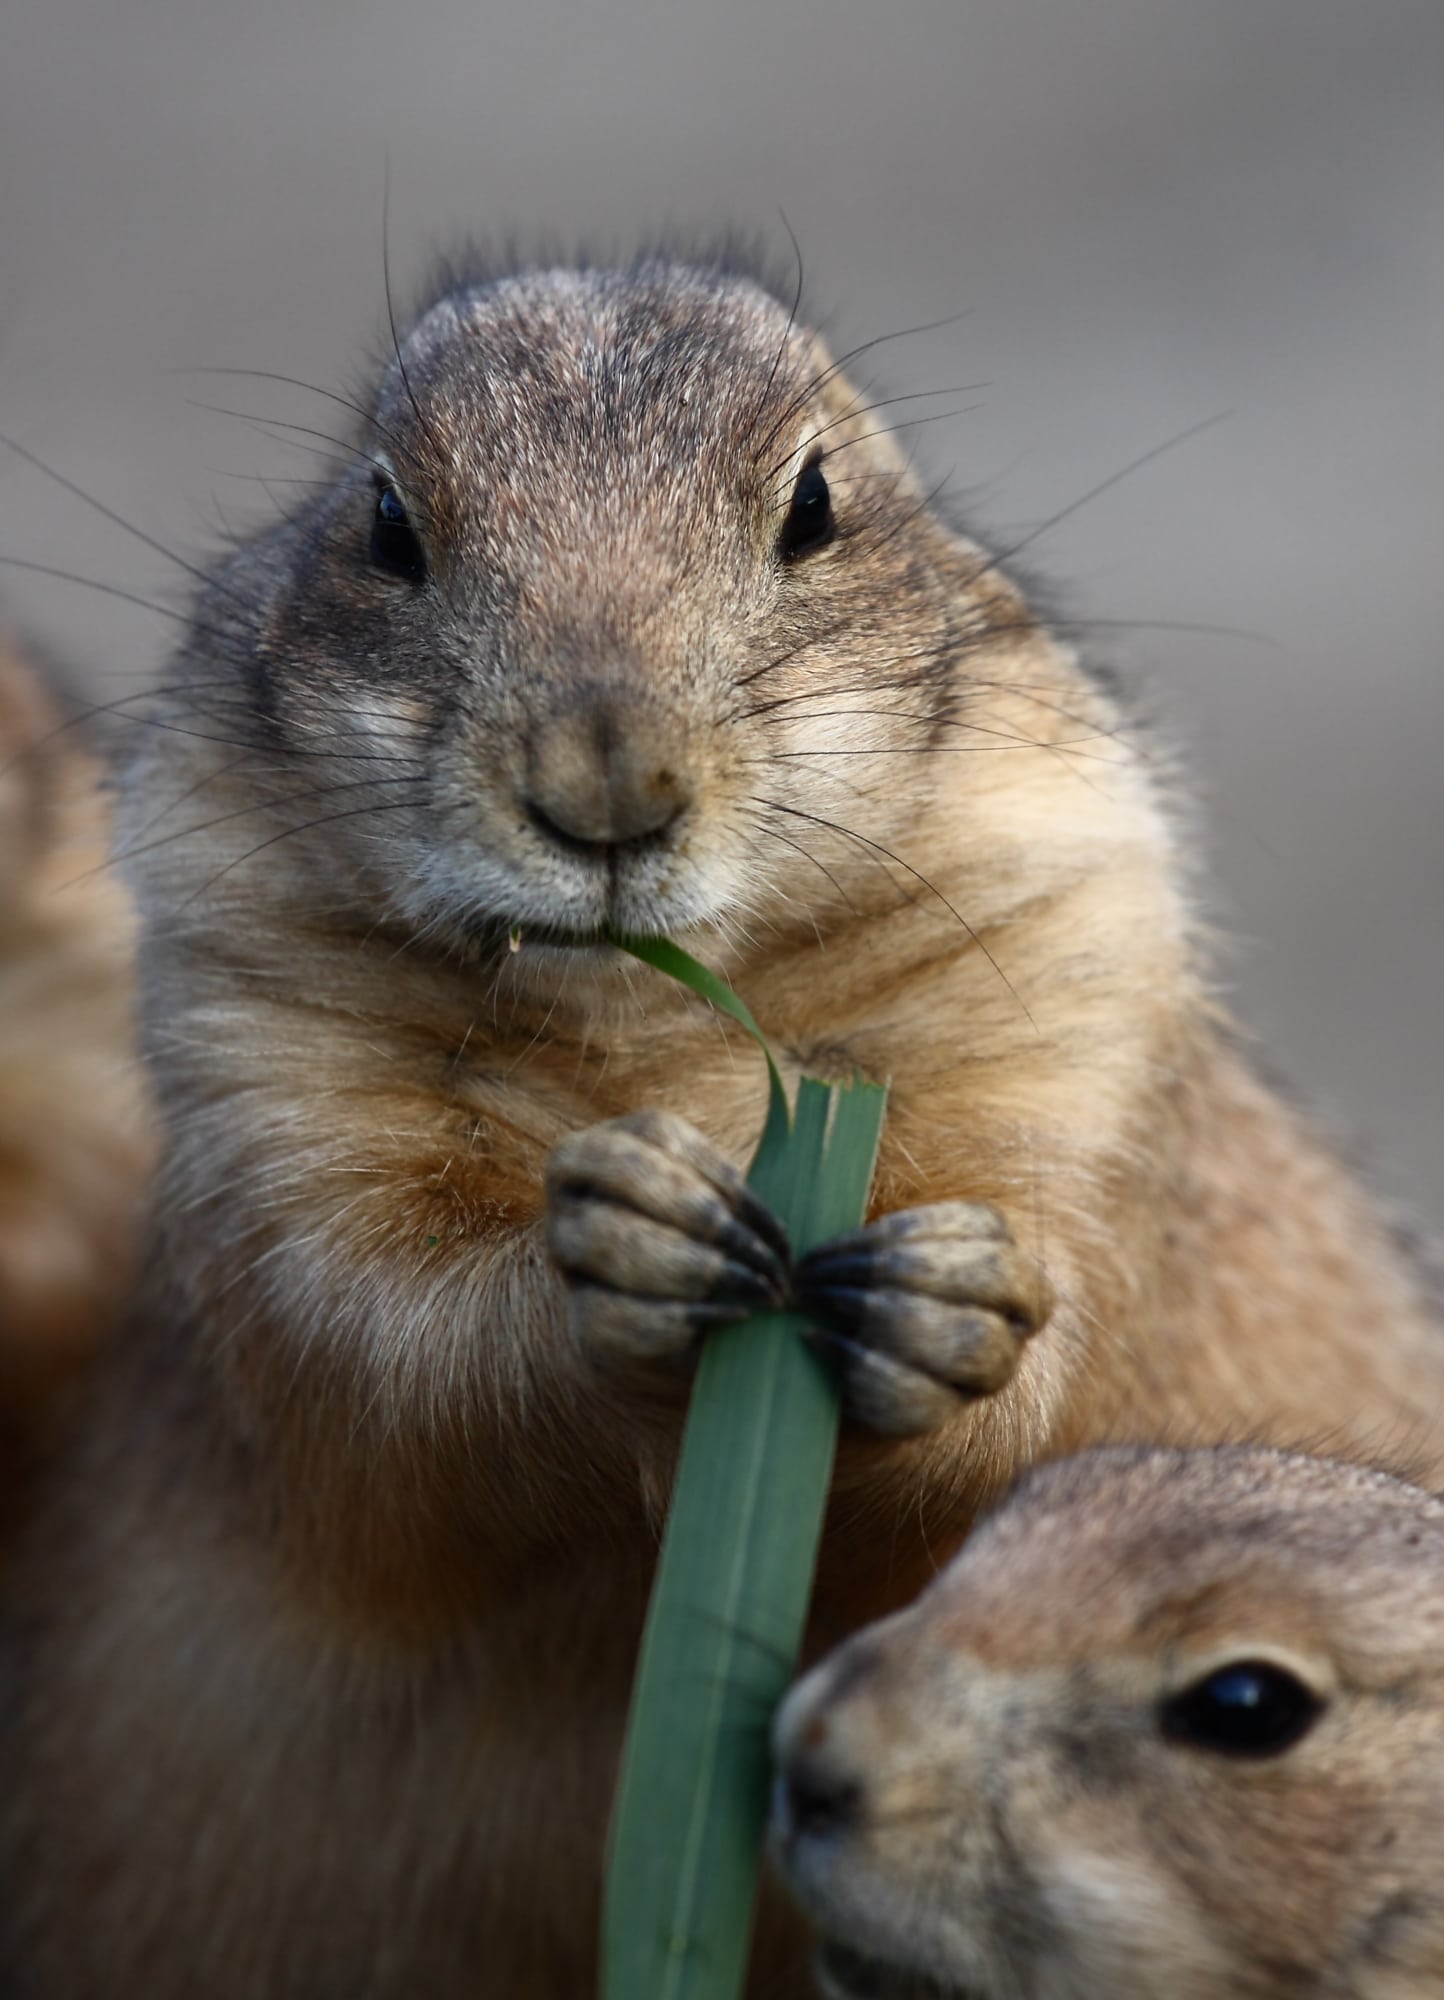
1171,1725
625,603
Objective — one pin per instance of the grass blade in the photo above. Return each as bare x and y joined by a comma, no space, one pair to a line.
680,965
734,1577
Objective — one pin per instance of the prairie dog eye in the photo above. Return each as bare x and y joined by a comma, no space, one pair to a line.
809,524
1250,1708
394,544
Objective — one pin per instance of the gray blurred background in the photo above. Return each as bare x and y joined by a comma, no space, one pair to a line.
1149,212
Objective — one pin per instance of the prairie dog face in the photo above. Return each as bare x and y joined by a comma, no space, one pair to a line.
1171,1725
623,597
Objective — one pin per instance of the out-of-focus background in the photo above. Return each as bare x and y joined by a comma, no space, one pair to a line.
1149,212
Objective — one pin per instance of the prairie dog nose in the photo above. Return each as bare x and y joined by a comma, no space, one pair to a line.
816,1794
607,771
820,1764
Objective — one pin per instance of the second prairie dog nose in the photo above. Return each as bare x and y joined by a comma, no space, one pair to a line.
817,1793
820,1752
606,772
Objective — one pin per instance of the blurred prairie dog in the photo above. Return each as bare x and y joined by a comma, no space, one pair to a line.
74,1142
1171,1727
623,608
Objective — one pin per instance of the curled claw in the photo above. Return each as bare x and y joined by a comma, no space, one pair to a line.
662,1167
921,1308
599,1239
659,1237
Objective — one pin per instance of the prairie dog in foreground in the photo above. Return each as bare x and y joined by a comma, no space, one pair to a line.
74,1144
1170,1727
624,609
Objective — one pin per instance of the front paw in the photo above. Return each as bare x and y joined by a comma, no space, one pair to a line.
659,1238
921,1309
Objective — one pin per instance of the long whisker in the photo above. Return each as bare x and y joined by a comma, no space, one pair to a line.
775,833
368,417
761,403
170,611
305,826
223,770
820,381
121,709
274,424
1103,486
425,427
877,847
110,514
260,805
858,409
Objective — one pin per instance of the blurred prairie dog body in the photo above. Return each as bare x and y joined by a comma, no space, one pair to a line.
1171,1727
332,1619
74,1141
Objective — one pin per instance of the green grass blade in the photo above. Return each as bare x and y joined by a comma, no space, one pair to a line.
680,965
733,1583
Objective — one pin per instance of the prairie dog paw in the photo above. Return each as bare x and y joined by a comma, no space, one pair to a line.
922,1308
658,1236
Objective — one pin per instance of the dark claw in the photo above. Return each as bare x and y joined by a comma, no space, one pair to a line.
835,1305
754,1214
881,1394
968,1355
824,1269
745,1243
708,1315
741,1286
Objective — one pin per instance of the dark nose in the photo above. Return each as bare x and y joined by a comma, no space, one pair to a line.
608,772
817,1793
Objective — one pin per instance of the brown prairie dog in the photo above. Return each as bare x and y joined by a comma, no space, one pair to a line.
1170,1727
622,610
74,1145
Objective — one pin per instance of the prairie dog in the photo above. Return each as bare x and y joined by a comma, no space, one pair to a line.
74,1141
1170,1727
624,610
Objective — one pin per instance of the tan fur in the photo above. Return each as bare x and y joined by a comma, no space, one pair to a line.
356,1544
986,1799
74,1145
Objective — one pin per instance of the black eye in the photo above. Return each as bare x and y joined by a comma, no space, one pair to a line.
394,546
808,526
1250,1708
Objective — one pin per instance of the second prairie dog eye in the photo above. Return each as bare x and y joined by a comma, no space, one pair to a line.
394,544
809,523
1251,1708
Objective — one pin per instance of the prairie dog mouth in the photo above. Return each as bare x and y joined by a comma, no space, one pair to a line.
521,937
555,937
